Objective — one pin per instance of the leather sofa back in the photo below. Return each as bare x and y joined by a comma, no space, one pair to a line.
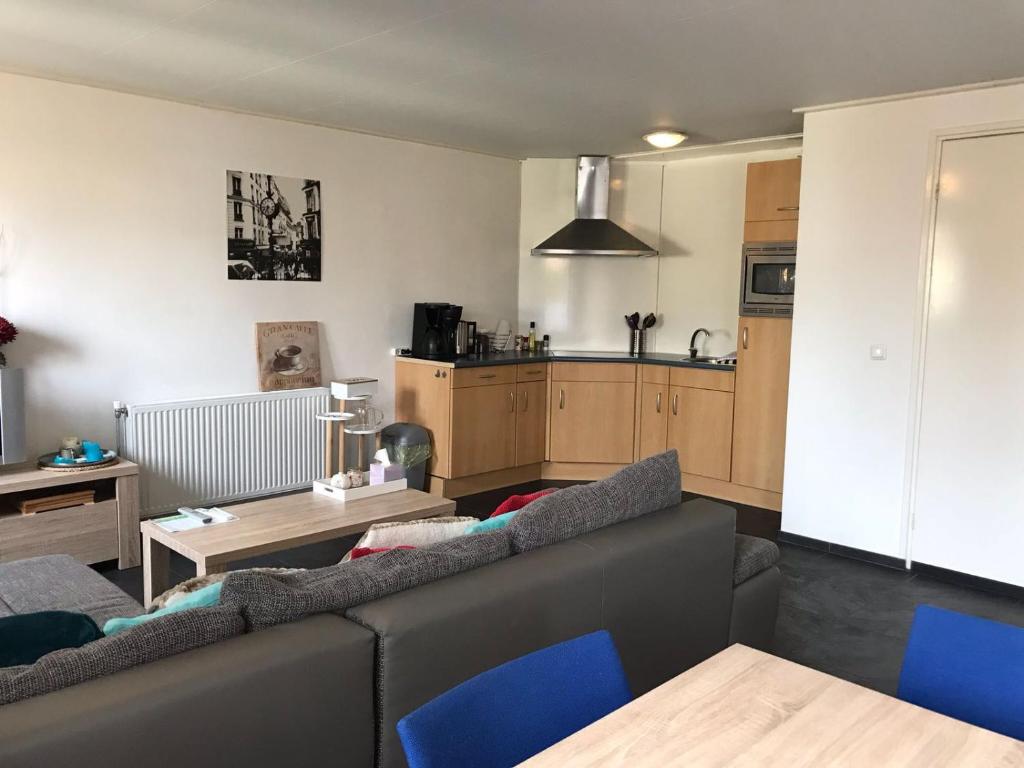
298,695
661,584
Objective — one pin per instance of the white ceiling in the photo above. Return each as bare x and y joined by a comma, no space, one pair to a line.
522,78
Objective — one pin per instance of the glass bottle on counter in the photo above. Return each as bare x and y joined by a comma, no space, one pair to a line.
533,336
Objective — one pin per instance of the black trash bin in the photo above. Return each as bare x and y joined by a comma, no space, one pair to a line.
408,445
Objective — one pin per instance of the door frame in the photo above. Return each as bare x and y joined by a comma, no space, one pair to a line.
936,143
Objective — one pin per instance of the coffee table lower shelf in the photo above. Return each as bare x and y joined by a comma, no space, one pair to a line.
274,525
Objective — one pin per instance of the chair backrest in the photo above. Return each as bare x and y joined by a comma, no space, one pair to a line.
966,667
507,714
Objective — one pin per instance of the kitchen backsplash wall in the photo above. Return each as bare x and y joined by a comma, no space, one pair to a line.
576,299
691,210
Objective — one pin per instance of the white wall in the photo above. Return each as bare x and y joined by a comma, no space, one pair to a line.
113,251
863,202
690,210
702,243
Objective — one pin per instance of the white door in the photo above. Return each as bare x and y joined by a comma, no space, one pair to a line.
969,511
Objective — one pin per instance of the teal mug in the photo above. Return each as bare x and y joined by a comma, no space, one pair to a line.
92,451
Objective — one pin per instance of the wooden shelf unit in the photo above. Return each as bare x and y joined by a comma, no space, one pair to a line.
107,529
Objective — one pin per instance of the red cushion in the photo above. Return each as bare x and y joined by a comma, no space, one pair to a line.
513,503
358,552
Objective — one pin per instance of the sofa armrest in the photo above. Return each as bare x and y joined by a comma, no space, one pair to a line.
755,608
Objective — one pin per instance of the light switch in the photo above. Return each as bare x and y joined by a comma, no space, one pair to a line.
878,352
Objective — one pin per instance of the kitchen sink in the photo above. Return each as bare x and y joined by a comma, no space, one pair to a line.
712,360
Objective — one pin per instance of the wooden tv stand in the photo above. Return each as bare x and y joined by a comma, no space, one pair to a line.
107,529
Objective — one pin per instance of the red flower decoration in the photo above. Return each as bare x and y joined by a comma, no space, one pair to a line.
8,332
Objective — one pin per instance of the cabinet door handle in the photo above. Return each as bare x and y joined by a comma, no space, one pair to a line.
675,404
488,376
788,208
437,374
532,373
561,399
526,400
511,401
746,337
657,403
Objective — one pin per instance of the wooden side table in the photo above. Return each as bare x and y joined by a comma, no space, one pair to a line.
107,529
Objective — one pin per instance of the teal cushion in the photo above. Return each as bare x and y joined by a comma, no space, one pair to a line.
491,523
201,598
27,637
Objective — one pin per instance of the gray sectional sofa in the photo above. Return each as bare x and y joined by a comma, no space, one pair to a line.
673,586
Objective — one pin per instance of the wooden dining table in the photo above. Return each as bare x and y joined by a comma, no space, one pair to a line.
743,707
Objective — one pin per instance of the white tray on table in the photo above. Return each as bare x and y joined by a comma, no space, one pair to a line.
324,488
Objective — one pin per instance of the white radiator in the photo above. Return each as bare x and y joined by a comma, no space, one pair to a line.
220,449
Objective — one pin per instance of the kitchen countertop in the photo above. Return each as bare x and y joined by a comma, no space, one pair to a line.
568,356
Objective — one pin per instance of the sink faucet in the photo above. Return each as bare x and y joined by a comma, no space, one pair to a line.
693,340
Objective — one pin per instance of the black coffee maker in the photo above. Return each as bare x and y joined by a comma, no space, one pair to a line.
434,327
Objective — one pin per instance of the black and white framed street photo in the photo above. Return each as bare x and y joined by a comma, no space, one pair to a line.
273,227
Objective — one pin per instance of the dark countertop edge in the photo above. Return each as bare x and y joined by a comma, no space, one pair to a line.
517,358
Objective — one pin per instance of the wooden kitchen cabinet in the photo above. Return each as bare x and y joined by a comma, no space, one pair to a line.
653,410
481,419
493,426
700,428
762,392
653,419
773,201
483,432
592,421
423,396
531,419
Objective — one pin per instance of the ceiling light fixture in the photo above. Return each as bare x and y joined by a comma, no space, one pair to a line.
665,139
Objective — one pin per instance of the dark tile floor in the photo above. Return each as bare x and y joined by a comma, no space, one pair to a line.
841,616
851,619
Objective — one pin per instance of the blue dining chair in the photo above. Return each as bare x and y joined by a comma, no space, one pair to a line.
510,713
966,667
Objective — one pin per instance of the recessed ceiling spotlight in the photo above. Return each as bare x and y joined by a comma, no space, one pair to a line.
665,139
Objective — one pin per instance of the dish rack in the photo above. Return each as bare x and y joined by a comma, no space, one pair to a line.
499,342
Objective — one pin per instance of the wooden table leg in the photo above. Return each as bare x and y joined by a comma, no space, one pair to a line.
127,489
205,569
342,463
156,568
329,449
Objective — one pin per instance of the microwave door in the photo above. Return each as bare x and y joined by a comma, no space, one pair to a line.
770,282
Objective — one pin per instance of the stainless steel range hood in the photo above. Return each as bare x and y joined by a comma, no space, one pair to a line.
592,233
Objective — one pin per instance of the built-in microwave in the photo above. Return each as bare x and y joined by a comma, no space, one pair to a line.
769,278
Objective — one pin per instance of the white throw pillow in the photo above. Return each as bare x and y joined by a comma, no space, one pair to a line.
415,533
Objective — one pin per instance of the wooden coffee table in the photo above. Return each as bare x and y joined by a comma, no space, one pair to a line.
272,525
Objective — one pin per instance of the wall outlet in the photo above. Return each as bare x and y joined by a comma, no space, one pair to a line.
878,352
